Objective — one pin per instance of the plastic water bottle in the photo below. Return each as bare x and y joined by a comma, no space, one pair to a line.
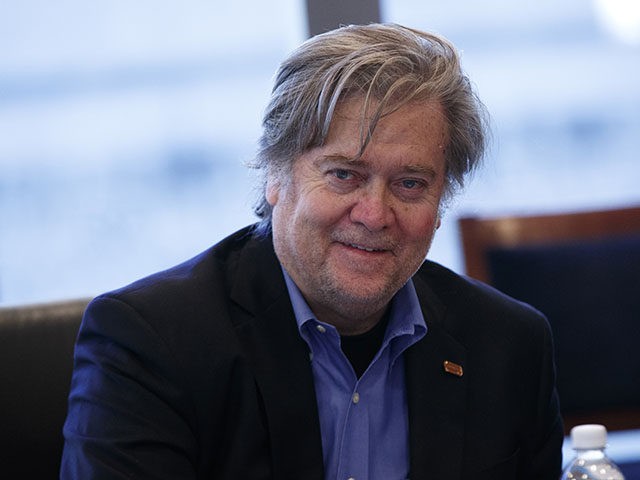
591,461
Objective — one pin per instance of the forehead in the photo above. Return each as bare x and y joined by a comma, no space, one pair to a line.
421,124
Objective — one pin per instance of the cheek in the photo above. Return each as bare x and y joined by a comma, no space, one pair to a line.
420,227
321,208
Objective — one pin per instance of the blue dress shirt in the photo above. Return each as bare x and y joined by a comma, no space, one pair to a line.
363,421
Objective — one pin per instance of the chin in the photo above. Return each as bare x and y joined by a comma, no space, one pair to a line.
364,302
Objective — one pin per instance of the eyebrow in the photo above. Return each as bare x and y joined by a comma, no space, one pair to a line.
340,159
358,162
421,169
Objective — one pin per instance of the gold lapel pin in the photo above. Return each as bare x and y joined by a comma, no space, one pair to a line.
453,368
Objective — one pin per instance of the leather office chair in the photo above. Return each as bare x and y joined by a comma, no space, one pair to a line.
583,271
36,361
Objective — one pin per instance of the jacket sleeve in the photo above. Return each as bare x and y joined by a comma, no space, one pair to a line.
547,430
128,415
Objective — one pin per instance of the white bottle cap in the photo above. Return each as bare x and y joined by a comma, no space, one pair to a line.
585,437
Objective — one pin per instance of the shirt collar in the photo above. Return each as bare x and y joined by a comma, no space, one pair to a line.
405,316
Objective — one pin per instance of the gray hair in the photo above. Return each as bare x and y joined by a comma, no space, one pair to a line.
384,63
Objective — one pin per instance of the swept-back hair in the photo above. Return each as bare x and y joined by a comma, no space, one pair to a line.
388,66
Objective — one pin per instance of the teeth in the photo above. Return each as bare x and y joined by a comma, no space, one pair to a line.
359,247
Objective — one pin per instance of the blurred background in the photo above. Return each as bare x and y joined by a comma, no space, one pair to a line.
125,126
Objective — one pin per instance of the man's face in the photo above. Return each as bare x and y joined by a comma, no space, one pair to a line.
351,231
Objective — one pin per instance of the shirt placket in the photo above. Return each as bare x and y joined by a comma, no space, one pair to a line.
353,454
354,451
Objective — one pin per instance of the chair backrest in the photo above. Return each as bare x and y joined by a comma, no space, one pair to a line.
583,271
36,361
481,234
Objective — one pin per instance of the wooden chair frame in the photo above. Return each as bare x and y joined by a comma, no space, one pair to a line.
479,234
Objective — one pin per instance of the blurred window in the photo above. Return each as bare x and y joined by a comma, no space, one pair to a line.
124,126
123,131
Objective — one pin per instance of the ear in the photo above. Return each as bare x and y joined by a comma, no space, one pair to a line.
272,190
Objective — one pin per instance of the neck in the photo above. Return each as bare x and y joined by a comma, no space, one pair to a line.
351,322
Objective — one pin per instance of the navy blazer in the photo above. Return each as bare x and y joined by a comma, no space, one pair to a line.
199,372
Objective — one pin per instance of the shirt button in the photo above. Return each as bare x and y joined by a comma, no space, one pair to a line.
355,398
321,328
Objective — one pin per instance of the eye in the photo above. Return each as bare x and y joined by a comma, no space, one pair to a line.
411,184
410,188
343,180
342,174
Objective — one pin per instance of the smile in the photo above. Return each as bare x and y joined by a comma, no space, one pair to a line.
366,249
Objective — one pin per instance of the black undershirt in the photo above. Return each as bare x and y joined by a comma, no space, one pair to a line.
360,349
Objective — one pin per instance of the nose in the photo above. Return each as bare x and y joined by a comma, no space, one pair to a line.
373,208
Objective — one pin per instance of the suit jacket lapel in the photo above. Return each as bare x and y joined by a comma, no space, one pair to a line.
280,360
436,398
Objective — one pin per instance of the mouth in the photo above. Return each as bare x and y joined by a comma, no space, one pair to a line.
365,248
366,244
368,248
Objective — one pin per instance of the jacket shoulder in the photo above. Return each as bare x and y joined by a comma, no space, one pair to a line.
472,307
203,276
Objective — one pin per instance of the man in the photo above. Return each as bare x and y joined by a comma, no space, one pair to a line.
319,344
